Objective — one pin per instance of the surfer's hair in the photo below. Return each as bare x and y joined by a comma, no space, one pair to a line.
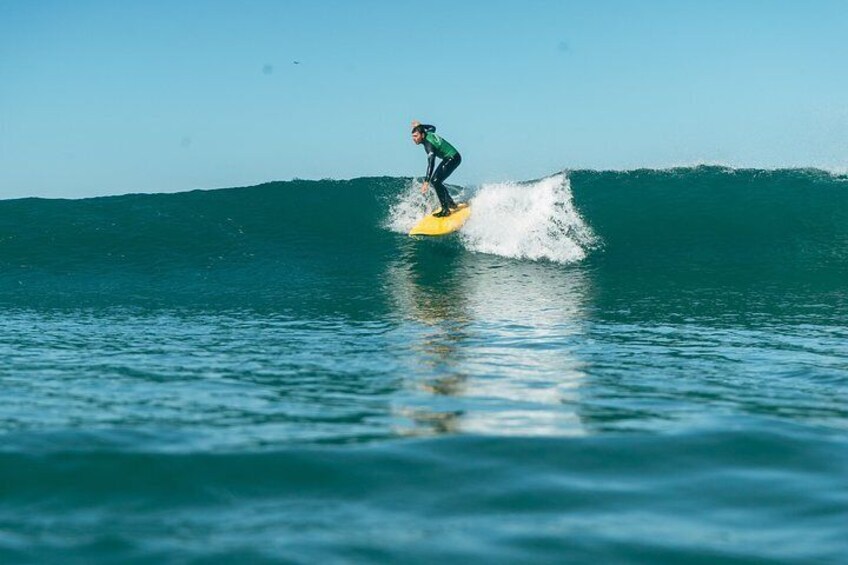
419,129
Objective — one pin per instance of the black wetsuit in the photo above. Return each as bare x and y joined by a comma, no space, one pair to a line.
435,146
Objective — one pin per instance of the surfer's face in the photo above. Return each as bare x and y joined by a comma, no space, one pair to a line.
417,137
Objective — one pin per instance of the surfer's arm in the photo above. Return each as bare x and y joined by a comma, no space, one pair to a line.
431,164
427,127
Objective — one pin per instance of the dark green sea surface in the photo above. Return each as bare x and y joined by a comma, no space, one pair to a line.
604,367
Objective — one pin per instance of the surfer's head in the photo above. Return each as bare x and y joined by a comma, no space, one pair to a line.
418,133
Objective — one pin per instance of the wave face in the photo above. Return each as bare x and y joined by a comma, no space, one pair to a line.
288,244
788,223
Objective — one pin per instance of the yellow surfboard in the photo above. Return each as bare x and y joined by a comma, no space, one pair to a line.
431,225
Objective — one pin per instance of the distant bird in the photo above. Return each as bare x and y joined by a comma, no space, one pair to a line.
296,62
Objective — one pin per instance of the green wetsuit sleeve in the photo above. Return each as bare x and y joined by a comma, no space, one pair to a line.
431,161
431,154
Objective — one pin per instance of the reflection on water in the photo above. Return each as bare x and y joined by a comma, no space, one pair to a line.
491,341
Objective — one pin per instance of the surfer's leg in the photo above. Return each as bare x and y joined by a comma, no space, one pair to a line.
450,165
443,171
442,192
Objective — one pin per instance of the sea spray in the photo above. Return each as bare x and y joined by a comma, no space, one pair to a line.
409,206
535,220
530,220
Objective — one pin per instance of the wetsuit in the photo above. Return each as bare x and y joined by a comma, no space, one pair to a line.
438,147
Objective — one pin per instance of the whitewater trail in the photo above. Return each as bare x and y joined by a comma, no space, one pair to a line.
535,220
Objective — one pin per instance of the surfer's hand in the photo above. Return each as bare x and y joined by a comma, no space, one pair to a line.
424,187
415,123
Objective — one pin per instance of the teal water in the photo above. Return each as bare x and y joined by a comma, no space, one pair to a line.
639,367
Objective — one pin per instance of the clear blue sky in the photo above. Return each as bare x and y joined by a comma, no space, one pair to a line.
107,97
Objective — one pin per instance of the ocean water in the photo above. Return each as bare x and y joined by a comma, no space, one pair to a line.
633,367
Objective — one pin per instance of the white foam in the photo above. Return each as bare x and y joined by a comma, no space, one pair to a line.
535,221
410,207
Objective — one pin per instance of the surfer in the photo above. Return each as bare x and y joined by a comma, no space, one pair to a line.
435,146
